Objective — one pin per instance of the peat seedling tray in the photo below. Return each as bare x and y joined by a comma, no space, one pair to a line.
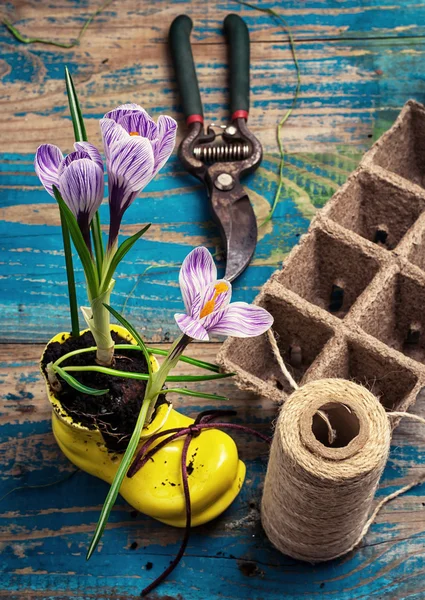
349,301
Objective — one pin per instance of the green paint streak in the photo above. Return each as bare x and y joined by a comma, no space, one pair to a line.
27,40
384,121
287,28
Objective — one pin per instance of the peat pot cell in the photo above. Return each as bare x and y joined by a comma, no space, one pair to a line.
328,272
384,376
377,210
417,251
299,337
397,317
403,151
300,340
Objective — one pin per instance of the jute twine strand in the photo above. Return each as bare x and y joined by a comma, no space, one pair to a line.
293,383
317,499
279,360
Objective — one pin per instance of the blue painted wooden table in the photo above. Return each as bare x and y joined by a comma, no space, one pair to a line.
359,63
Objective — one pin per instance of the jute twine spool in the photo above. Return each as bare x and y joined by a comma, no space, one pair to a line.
317,498
321,481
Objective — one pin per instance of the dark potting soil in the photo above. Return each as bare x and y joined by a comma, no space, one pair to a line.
114,413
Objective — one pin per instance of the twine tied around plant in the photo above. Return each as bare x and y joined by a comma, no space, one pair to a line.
203,421
318,494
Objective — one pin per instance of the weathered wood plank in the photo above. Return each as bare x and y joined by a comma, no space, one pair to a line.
350,91
44,532
345,85
143,22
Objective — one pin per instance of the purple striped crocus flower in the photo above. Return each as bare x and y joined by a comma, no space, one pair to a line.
78,177
136,148
207,302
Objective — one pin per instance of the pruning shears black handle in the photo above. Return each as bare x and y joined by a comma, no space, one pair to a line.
182,57
238,39
181,52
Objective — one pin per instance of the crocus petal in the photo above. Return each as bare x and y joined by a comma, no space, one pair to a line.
70,158
46,163
167,129
135,150
197,272
139,122
112,133
131,163
91,150
241,320
191,327
121,111
81,186
130,168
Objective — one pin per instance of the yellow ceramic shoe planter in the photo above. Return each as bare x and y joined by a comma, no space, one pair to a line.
156,489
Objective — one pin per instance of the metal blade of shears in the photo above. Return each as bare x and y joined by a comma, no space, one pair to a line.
236,219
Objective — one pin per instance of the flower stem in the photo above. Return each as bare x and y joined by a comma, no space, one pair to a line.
98,319
98,243
159,378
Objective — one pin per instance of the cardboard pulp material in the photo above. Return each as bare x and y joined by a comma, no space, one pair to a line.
349,301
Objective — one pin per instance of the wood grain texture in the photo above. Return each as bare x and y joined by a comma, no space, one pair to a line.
44,532
354,79
360,62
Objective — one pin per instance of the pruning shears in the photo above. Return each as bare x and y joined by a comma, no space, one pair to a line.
220,158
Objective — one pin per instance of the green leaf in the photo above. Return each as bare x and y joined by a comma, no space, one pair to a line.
199,377
79,243
186,392
187,359
119,476
81,136
77,385
160,352
121,252
69,264
109,371
133,332
145,377
74,107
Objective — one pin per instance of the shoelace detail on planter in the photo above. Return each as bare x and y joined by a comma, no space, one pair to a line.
202,421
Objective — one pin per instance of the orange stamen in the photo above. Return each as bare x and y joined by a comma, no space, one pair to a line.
208,308
220,288
134,133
